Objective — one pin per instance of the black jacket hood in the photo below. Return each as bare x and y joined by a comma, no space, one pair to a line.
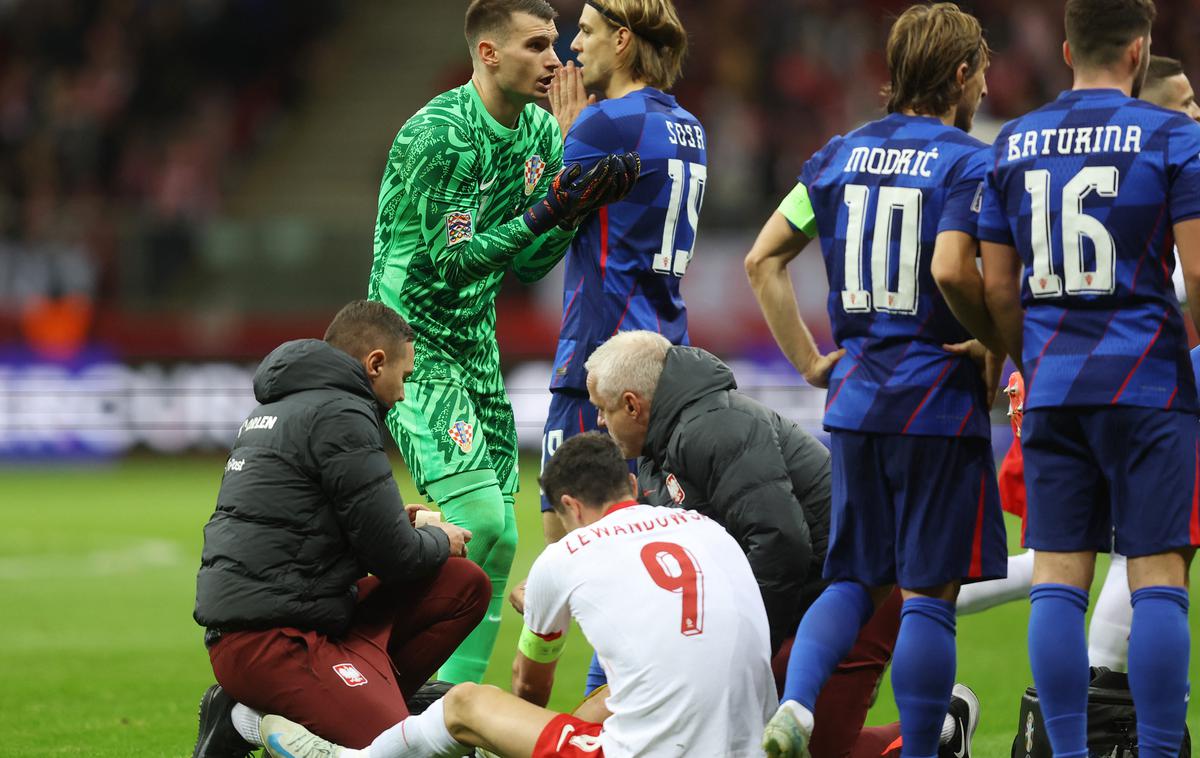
689,374
309,364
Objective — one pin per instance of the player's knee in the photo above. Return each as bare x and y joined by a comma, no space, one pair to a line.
461,706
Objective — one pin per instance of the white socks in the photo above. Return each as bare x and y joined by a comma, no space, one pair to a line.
980,596
423,736
1108,635
245,721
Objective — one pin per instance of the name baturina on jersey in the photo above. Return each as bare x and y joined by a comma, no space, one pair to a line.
584,536
890,161
1076,140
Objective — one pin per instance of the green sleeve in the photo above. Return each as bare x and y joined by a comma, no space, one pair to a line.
797,209
543,255
442,174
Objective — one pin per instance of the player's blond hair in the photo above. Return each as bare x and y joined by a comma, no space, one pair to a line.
926,46
655,55
628,362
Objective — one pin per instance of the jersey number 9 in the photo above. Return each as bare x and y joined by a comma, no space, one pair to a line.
674,569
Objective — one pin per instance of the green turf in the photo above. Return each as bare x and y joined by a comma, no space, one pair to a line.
100,657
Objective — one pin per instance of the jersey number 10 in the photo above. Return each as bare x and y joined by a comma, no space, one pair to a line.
673,260
903,299
674,569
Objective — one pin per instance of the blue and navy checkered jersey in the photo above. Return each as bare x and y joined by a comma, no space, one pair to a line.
626,262
1087,189
881,195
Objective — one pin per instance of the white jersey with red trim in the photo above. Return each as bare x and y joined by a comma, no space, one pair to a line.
667,599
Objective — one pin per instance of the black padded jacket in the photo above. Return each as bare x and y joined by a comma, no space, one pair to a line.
711,449
307,505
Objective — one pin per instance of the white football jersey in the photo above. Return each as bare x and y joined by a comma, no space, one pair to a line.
667,599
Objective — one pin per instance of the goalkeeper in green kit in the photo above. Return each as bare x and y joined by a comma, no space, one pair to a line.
472,189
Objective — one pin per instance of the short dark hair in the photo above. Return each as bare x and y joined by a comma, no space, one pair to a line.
925,47
492,16
1098,30
1162,67
589,468
365,325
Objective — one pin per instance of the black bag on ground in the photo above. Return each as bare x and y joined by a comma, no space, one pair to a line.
1112,724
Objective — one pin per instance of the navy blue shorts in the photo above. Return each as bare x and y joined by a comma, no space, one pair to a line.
570,414
1090,472
914,511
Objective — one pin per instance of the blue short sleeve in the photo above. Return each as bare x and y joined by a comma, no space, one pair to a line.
994,225
1185,172
590,138
964,198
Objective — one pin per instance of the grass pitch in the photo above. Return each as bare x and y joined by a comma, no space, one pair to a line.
100,656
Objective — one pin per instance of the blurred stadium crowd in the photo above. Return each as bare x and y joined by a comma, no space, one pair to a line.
124,124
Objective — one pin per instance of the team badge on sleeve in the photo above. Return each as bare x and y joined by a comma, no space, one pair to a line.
350,675
534,168
675,490
459,228
462,434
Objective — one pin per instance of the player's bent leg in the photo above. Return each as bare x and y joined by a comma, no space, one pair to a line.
1108,632
486,717
923,666
1159,646
472,500
849,693
980,596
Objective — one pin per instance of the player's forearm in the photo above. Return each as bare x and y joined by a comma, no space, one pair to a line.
965,297
1005,309
1002,272
532,681
773,289
543,255
483,254
1187,241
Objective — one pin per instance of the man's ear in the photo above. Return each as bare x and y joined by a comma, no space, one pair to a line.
1067,55
960,75
488,52
374,361
633,485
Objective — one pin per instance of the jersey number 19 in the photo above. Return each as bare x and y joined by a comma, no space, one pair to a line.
672,259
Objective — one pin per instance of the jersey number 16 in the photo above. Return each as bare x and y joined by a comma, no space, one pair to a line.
672,259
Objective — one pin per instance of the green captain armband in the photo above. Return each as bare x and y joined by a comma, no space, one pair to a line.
797,209
539,649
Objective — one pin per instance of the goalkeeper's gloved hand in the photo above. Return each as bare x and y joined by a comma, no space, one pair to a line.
573,194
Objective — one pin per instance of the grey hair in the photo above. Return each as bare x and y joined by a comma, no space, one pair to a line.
628,362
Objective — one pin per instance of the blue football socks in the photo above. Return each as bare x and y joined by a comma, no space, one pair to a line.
1058,657
923,667
1158,668
824,637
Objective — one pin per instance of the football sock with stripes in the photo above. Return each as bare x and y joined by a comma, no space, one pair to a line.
424,735
923,668
1158,668
1058,657
825,635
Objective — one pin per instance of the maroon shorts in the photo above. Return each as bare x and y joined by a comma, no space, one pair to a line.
350,688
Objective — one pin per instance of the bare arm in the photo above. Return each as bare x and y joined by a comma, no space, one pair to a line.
1187,238
532,681
1002,293
766,266
961,283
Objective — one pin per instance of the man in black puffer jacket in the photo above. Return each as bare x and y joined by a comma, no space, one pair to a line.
306,510
704,446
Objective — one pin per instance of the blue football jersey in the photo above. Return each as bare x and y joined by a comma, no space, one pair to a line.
625,265
881,195
1087,188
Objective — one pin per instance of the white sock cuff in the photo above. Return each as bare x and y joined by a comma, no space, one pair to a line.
245,721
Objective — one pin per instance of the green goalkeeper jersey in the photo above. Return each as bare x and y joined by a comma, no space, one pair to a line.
449,226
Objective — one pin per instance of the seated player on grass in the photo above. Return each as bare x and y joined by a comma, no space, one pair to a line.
667,599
